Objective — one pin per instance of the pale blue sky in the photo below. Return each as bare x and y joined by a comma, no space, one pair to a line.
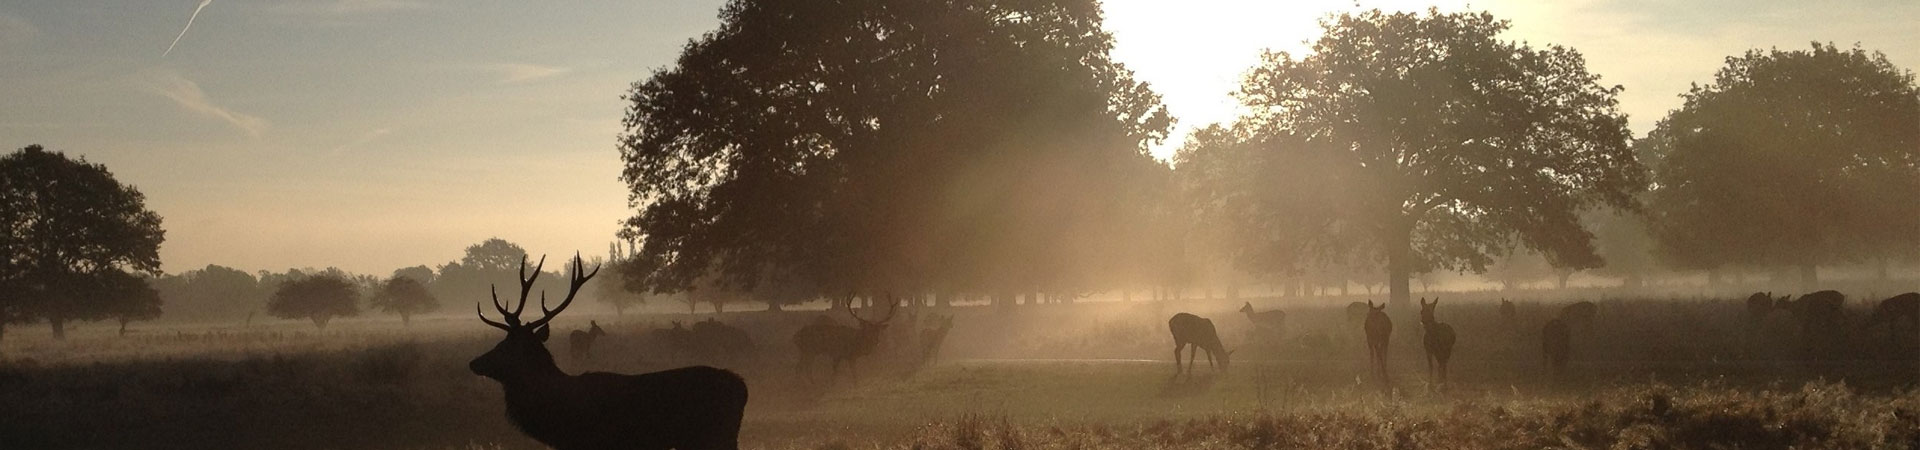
374,134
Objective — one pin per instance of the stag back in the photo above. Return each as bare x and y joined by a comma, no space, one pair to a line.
524,352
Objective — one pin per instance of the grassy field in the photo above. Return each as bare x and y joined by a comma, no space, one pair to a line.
1649,373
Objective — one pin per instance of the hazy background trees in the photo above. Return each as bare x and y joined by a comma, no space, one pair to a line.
1790,159
404,296
70,234
319,298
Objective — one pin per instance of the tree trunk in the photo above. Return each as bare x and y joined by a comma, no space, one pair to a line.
1713,277
1564,275
942,300
1343,288
123,327
321,321
773,306
718,306
1399,263
406,320
1881,269
1809,278
59,327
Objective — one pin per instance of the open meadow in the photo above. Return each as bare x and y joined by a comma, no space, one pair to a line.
1647,373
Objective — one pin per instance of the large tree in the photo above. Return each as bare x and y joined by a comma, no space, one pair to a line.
875,146
64,225
1790,159
1435,143
319,298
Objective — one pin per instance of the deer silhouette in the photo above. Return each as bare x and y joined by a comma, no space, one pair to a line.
933,337
580,342
1273,320
1581,312
1896,309
714,339
1197,332
1438,340
1509,314
840,344
1379,328
1820,314
685,408
1556,343
1760,305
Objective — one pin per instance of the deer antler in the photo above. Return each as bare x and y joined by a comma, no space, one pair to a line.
893,304
578,279
511,319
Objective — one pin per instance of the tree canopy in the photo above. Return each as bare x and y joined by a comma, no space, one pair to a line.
65,225
885,145
1790,158
1427,141
404,296
319,298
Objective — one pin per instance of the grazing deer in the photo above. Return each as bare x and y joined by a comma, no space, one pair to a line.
685,408
839,343
1556,343
932,338
1896,309
714,339
1438,340
1192,330
1818,311
580,342
1581,312
1378,328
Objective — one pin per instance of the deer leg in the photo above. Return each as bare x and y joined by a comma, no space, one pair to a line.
1176,360
1210,364
1192,354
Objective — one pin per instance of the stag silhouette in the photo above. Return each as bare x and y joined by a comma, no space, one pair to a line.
1379,328
839,343
580,342
686,408
1192,330
1760,305
1438,341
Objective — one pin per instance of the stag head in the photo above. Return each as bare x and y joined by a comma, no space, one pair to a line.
870,330
524,351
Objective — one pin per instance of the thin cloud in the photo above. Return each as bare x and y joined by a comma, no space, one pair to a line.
188,96
14,30
363,140
512,73
349,7
183,30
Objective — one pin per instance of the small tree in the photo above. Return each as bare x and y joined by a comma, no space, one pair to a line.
319,298
128,298
404,296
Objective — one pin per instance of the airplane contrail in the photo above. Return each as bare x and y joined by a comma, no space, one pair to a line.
183,30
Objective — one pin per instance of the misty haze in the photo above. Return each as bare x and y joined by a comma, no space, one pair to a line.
966,224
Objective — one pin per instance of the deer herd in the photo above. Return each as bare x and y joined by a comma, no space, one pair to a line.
700,407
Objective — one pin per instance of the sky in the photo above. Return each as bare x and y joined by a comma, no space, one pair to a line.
376,134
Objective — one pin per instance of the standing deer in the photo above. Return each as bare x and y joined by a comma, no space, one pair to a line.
840,343
1760,305
1556,344
685,408
713,339
579,342
1378,328
1820,315
1509,315
1896,309
1438,340
932,338
1192,330
1270,324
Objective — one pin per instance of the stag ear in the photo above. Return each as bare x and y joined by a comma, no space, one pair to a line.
542,333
